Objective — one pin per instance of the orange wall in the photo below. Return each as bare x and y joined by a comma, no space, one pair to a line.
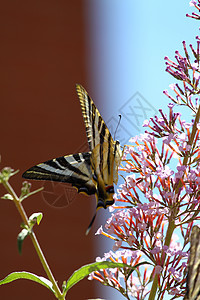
42,57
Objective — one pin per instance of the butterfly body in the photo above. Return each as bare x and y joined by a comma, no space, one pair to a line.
92,172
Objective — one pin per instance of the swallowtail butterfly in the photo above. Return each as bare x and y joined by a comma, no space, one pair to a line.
92,172
193,277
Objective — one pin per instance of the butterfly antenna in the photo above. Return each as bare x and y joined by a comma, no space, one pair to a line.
120,116
89,227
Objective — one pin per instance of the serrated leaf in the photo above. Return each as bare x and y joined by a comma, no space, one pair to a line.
35,217
87,269
30,276
21,236
7,197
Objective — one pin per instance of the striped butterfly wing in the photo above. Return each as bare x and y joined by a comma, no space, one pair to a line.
75,169
96,129
106,153
193,277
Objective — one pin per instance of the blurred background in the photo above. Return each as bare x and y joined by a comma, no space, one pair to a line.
115,49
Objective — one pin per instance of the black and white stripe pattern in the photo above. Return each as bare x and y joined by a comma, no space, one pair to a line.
74,169
91,172
193,277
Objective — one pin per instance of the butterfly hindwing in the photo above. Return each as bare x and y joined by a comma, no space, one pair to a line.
74,169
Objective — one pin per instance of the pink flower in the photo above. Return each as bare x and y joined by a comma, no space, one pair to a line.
194,66
99,231
158,269
117,245
172,86
196,76
164,172
142,227
146,123
174,291
156,250
193,3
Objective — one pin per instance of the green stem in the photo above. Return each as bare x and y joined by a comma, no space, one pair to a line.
172,218
34,240
169,233
154,288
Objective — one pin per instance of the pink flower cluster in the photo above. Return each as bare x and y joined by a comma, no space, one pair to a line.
153,193
188,72
112,277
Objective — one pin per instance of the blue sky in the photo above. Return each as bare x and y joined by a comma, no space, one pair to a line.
127,42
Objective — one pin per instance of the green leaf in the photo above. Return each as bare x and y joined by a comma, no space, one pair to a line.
87,269
26,275
21,236
7,196
35,217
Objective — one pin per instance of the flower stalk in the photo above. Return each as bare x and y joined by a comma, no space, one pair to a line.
35,242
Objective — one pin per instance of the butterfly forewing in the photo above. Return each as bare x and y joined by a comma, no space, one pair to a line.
96,129
106,150
193,277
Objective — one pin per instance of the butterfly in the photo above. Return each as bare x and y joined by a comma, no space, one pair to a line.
193,276
92,172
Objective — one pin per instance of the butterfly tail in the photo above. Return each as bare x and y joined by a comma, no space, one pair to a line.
89,227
